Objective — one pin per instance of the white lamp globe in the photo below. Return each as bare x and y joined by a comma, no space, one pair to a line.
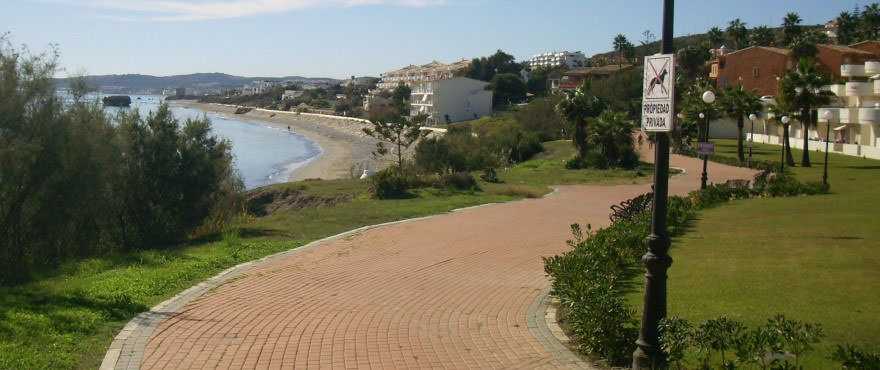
709,97
785,119
702,115
753,117
827,115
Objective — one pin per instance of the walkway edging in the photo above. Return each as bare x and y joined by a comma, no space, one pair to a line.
541,320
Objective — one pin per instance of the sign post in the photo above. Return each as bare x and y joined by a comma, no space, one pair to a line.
657,115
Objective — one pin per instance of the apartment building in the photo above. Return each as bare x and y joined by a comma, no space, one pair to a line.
556,59
433,71
761,67
450,100
576,77
855,114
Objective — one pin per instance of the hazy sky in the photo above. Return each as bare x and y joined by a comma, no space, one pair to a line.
339,38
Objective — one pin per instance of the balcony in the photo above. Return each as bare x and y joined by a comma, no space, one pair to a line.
848,115
852,70
872,67
869,115
859,89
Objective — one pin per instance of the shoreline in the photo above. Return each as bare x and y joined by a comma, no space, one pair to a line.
345,149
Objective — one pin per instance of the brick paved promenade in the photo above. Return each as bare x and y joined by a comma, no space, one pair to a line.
452,291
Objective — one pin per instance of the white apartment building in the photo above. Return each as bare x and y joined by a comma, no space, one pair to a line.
450,100
259,87
555,59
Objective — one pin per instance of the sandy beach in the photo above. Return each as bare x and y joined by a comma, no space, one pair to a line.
346,149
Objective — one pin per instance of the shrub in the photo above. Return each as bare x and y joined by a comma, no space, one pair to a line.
853,358
489,175
457,181
390,184
592,159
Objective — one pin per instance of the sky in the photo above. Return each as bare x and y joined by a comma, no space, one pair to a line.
341,38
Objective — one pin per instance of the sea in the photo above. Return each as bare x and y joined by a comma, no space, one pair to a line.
263,155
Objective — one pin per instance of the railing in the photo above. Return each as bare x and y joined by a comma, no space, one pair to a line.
869,115
852,70
840,89
872,67
859,89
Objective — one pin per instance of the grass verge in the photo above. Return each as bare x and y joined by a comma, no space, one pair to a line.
67,317
812,258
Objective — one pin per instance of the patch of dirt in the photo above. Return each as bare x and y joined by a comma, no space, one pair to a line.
263,202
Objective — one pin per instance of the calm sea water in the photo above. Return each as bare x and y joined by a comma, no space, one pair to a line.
263,155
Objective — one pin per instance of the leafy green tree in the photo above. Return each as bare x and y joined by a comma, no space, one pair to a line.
737,32
691,126
791,28
577,107
538,79
485,68
508,88
780,109
761,36
715,36
396,128
738,103
612,136
178,174
620,44
801,89
691,60
847,28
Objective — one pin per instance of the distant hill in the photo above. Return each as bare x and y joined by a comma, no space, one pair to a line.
138,82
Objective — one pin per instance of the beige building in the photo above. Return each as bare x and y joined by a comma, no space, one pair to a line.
428,72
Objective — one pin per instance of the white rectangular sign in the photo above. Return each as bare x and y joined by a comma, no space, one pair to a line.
658,93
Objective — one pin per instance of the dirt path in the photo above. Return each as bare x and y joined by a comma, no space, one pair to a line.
450,291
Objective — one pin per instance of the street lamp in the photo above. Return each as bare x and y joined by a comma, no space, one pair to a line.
708,98
785,120
827,116
753,118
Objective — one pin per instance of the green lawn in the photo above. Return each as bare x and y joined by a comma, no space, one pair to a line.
67,317
813,258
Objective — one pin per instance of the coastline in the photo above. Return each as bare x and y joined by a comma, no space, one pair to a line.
345,149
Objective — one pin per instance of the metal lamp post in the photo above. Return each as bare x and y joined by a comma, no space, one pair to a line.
827,116
752,117
708,98
785,120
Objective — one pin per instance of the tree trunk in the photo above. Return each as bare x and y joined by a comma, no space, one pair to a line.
805,122
739,139
786,146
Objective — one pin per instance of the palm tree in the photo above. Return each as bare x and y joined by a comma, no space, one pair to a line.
738,103
870,22
801,90
577,107
692,104
847,28
620,43
715,36
791,27
737,31
612,136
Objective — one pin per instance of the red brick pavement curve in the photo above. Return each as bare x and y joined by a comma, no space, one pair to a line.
450,291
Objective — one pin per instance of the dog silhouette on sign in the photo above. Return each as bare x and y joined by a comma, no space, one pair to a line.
657,80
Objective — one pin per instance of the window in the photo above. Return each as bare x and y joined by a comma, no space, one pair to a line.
756,72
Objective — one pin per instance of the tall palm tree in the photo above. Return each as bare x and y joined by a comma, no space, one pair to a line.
801,90
620,43
847,28
791,27
738,103
577,107
870,22
761,36
715,36
738,32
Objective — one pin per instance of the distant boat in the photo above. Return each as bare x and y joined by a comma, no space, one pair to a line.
117,101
